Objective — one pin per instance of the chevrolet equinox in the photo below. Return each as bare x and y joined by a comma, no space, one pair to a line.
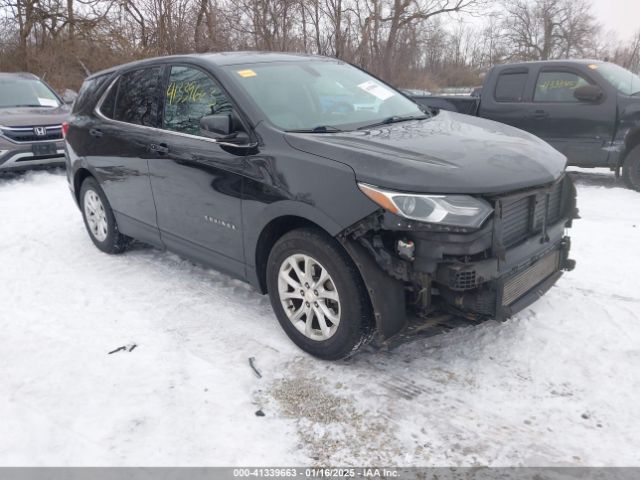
321,185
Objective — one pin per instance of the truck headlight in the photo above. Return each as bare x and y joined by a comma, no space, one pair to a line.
454,210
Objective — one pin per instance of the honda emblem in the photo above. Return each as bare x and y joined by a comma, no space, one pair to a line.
40,131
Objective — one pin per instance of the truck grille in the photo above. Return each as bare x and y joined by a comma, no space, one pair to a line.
36,133
522,282
523,217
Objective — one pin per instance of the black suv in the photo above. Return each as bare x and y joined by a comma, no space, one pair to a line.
323,186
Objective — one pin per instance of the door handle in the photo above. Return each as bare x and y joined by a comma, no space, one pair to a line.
95,132
159,148
540,114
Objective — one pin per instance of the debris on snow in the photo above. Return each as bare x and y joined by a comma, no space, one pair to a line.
127,348
252,363
330,425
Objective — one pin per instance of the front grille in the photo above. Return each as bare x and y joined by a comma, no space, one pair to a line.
515,221
519,284
28,134
523,217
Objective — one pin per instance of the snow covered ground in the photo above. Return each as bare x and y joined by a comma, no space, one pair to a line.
557,385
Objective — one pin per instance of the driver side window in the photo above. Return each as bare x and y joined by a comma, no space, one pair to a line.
191,95
558,87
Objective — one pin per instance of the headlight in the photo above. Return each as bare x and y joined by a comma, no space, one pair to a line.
453,210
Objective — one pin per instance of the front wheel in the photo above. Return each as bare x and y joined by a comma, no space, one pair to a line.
99,219
631,169
318,294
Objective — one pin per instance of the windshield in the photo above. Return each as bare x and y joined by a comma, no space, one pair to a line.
26,92
321,95
623,80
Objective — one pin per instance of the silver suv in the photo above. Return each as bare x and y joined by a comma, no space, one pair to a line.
31,117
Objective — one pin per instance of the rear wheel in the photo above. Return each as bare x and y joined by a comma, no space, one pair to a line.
318,295
631,169
99,219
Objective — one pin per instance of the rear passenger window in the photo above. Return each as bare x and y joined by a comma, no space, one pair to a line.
191,95
87,94
109,103
510,86
138,97
558,87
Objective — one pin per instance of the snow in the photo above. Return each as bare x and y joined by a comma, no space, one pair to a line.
556,385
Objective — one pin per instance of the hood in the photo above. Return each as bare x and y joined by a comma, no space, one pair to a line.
448,153
30,116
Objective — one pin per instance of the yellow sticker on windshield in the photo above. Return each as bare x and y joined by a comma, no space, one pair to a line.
246,73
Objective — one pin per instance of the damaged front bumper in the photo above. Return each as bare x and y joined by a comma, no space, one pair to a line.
499,289
412,269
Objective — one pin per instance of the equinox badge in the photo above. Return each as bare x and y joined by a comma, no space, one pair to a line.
222,223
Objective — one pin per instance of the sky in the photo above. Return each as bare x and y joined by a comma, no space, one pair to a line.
620,16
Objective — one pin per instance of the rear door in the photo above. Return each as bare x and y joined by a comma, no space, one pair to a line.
197,183
576,128
120,136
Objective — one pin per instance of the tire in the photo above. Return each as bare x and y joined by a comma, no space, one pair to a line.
99,219
631,169
341,295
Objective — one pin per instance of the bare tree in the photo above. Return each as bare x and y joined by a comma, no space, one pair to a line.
628,55
545,29
413,43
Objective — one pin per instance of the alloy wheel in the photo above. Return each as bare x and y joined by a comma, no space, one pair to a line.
309,297
96,215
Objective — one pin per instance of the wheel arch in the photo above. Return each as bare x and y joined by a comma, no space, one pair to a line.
385,294
269,235
78,178
631,141
630,161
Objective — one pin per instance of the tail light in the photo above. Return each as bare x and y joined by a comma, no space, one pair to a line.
65,128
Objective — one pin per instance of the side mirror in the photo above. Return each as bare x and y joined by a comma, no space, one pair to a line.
69,96
588,93
216,126
226,129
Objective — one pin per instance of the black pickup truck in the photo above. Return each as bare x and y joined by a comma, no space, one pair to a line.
587,109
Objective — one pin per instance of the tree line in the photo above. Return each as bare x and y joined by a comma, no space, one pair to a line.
410,43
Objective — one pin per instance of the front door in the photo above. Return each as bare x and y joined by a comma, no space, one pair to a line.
581,130
197,184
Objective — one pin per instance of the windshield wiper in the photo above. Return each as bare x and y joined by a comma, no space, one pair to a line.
318,129
395,119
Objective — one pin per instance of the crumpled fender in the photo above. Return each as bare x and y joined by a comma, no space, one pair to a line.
386,293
